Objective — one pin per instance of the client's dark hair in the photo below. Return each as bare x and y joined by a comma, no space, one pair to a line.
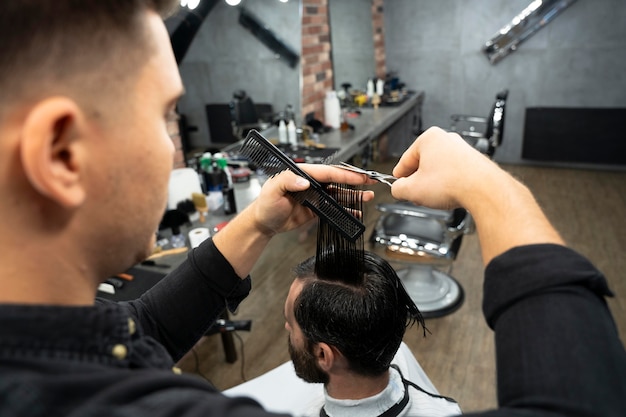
365,321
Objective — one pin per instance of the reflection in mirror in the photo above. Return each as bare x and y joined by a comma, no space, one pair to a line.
352,42
530,20
225,58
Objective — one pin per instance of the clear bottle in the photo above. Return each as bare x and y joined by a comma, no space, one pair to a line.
178,239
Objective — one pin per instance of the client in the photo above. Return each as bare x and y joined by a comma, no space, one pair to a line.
346,313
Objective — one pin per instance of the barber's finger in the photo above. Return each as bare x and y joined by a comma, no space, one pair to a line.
326,174
406,188
364,195
410,160
368,195
289,181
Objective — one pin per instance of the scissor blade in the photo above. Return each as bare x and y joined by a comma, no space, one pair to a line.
384,178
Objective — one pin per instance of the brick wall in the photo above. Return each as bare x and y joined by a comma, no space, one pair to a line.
378,27
317,69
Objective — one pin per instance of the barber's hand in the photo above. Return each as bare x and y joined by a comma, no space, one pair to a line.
440,170
276,212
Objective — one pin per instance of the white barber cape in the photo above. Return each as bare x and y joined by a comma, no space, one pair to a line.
281,390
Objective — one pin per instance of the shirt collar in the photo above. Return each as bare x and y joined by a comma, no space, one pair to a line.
370,406
101,332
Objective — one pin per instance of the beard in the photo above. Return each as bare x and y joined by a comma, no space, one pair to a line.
305,365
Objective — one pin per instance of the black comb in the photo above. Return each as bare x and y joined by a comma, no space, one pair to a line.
273,161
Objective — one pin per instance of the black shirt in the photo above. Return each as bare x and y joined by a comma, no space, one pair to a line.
557,347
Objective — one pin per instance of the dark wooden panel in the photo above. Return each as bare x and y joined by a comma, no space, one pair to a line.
578,135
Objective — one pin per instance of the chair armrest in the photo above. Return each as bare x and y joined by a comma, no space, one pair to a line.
468,118
410,209
470,134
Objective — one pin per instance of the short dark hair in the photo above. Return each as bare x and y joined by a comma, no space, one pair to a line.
49,44
366,322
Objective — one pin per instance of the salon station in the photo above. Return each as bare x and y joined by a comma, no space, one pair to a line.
537,86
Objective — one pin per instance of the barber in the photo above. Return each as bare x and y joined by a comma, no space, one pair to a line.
89,90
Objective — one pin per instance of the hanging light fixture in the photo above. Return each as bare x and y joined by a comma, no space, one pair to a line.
192,4
233,2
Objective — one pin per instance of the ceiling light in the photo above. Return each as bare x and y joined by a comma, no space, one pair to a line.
233,2
192,4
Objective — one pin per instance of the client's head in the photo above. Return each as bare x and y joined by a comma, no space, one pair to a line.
362,324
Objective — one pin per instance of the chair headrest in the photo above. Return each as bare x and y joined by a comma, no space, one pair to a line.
240,94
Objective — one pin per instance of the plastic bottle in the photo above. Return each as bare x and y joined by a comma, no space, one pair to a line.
380,87
203,171
291,133
332,110
228,191
370,88
282,132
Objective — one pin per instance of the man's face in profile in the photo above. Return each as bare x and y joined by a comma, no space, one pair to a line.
304,362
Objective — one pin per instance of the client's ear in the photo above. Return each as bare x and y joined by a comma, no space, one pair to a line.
326,356
51,153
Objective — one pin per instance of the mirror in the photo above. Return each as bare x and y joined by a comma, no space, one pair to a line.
352,40
225,56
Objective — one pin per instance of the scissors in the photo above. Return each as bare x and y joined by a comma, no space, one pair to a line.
378,176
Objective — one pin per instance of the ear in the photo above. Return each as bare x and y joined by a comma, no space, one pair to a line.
51,152
326,356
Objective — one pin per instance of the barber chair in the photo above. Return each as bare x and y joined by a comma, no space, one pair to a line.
427,242
247,115
222,130
484,133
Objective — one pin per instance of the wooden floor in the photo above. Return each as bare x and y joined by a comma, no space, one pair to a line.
587,207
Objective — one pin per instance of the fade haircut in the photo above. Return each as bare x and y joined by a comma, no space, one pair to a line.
87,49
366,321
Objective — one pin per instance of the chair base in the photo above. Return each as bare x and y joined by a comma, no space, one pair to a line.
435,293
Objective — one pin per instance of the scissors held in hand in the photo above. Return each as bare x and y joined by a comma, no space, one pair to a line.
375,175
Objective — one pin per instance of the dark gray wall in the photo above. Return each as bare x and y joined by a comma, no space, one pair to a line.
352,42
577,60
225,57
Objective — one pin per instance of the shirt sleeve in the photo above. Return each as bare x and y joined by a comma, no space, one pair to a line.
557,346
183,305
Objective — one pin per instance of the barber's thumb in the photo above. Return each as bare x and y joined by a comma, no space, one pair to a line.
301,183
293,182
405,189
